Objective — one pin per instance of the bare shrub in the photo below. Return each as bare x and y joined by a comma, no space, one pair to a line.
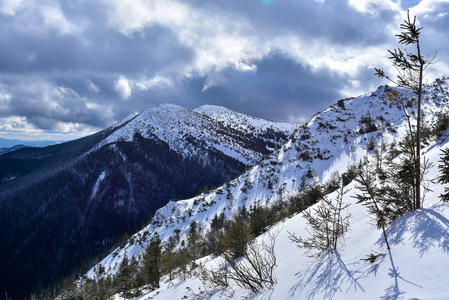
326,224
253,271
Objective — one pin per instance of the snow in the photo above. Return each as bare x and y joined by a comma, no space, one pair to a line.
417,267
97,184
231,117
191,132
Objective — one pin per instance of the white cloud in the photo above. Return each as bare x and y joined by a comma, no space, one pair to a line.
18,127
54,18
123,87
16,123
38,16
220,39
94,89
9,7
161,49
244,67
4,97
214,78
217,39
374,7
155,82
168,13
429,9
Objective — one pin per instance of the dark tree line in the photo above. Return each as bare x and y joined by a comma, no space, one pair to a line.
56,221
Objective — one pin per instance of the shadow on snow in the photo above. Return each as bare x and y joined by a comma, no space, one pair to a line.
425,228
328,276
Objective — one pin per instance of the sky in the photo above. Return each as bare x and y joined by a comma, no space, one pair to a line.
70,68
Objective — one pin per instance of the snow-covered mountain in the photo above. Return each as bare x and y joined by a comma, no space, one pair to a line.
345,134
256,125
416,267
245,138
79,198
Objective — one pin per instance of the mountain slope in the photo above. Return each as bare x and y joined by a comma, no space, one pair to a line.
258,126
191,132
68,203
343,135
415,268
11,149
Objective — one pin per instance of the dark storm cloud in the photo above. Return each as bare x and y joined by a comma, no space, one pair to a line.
69,64
45,105
280,90
97,50
336,21
44,70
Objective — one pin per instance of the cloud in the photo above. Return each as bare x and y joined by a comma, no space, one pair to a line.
47,106
123,87
126,87
373,7
5,98
68,64
153,83
92,87
37,16
17,127
9,7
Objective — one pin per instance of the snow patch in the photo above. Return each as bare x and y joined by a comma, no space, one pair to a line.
97,184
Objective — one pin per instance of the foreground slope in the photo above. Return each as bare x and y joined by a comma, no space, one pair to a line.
333,140
68,203
416,267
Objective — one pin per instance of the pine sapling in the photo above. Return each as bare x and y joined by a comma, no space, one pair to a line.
326,224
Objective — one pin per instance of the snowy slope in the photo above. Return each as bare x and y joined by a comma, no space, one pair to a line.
191,132
417,267
256,125
332,140
89,192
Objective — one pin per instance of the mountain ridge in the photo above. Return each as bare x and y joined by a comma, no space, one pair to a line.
88,192
330,142
175,124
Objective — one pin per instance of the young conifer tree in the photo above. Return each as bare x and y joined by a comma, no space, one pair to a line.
411,67
193,239
326,224
444,171
151,265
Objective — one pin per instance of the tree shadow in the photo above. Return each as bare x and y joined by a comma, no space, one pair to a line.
328,276
393,292
424,227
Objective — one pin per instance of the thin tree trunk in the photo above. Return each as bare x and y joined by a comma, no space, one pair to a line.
418,132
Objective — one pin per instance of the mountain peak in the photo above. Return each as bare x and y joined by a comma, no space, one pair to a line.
190,132
209,108
171,106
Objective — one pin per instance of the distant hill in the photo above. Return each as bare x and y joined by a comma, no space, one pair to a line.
11,149
7,143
